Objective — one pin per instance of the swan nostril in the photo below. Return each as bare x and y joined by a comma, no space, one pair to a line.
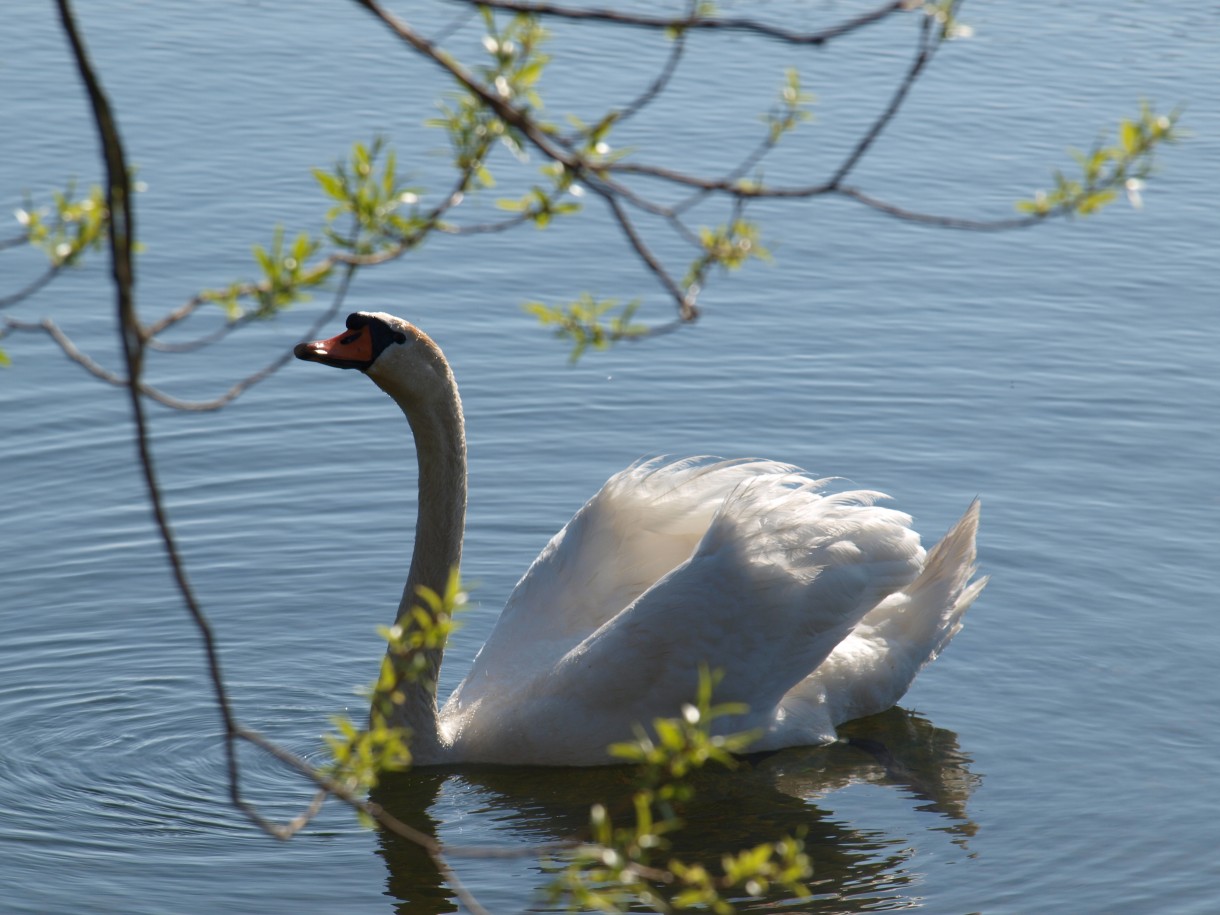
305,350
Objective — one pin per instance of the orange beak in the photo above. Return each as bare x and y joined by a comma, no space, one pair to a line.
352,349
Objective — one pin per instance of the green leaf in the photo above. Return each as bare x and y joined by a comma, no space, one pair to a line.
1129,136
331,184
264,260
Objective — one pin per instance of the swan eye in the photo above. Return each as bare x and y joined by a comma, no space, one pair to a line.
400,337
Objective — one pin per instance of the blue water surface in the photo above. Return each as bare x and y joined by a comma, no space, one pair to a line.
1059,757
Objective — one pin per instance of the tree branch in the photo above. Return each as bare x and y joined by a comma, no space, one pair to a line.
121,234
944,222
687,310
502,108
928,41
696,20
69,348
661,82
121,238
33,287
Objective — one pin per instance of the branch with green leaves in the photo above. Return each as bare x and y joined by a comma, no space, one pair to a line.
496,105
1109,168
622,867
361,756
585,323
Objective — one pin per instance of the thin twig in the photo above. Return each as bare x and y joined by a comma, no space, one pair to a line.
928,42
502,108
190,346
32,288
946,222
69,348
239,388
687,309
659,84
733,177
695,21
49,327
435,850
455,25
486,228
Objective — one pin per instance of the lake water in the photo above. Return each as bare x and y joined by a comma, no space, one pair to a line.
1061,756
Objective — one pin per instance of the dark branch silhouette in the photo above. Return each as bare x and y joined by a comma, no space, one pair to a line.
696,21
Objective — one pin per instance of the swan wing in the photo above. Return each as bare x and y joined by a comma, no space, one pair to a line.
781,575
644,522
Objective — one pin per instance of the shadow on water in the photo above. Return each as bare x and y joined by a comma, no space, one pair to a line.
856,867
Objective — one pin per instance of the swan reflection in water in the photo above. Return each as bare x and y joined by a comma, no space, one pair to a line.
857,867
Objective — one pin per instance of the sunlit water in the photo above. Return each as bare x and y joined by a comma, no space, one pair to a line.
1060,757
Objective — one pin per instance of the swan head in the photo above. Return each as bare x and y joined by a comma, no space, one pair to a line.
367,337
399,357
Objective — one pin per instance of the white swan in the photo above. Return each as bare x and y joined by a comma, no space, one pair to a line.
819,608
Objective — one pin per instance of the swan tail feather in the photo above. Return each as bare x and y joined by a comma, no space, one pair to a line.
943,592
873,667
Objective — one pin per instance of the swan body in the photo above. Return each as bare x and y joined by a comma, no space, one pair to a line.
819,606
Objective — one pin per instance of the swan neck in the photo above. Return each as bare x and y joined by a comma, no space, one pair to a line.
440,444
440,447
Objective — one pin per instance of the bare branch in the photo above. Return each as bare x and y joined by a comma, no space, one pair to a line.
455,25
732,179
928,42
375,811
121,236
687,311
190,346
659,84
49,327
944,222
485,228
694,20
181,313
203,406
121,232
14,298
